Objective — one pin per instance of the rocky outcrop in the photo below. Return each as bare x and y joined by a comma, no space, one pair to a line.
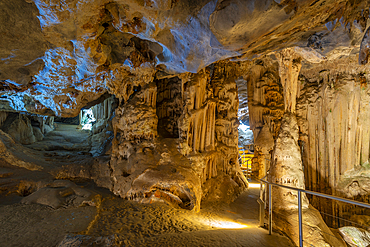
25,128
355,236
61,193
286,167
171,142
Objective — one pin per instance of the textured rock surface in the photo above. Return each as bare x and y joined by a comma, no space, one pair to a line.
60,194
334,133
58,57
355,236
286,167
332,113
169,132
171,143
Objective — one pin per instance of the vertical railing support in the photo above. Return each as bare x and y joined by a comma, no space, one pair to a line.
300,218
270,210
262,206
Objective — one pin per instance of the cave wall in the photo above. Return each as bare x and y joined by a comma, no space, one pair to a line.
169,106
266,108
332,113
176,139
102,129
25,128
334,125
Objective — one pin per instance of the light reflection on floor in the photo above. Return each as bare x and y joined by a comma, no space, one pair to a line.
222,223
254,185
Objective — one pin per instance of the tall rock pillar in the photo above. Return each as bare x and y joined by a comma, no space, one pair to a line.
286,168
287,162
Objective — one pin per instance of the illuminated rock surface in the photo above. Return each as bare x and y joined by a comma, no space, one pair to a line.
163,85
355,236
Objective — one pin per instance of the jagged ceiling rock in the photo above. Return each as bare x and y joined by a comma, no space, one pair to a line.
57,56
22,44
236,23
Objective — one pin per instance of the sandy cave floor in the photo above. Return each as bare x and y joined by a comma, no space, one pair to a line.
128,223
107,220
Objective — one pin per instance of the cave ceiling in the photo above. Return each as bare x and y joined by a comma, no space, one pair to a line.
57,56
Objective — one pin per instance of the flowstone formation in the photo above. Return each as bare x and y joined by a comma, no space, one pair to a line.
157,81
332,108
334,131
286,167
182,153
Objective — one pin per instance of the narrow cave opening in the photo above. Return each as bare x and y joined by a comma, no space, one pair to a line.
246,139
89,133
169,106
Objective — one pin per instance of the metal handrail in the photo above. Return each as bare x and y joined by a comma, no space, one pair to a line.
362,204
270,184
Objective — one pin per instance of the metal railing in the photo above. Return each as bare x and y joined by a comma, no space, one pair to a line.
262,201
245,162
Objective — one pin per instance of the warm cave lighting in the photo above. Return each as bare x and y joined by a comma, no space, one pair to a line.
254,185
87,119
243,127
223,223
228,225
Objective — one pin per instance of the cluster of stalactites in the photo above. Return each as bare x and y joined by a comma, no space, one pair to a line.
136,119
289,68
104,109
197,124
210,169
333,118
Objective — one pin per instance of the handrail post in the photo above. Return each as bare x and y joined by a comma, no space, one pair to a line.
270,210
261,204
300,218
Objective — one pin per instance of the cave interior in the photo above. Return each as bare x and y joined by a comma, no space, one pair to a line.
151,122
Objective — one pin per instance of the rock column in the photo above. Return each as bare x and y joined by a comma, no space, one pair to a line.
287,161
286,168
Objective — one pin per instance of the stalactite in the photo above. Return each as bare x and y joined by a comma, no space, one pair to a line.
103,110
198,124
137,119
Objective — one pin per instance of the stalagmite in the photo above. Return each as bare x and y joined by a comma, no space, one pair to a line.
149,97
264,144
287,169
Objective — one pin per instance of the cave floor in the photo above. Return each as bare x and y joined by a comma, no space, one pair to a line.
105,219
67,144
65,137
113,221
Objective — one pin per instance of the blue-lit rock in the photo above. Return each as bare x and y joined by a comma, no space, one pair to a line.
57,52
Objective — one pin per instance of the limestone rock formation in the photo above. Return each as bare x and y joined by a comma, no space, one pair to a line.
338,105
286,167
354,236
60,194
263,145
168,83
172,143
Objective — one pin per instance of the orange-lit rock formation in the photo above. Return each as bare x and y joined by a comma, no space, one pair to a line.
162,79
